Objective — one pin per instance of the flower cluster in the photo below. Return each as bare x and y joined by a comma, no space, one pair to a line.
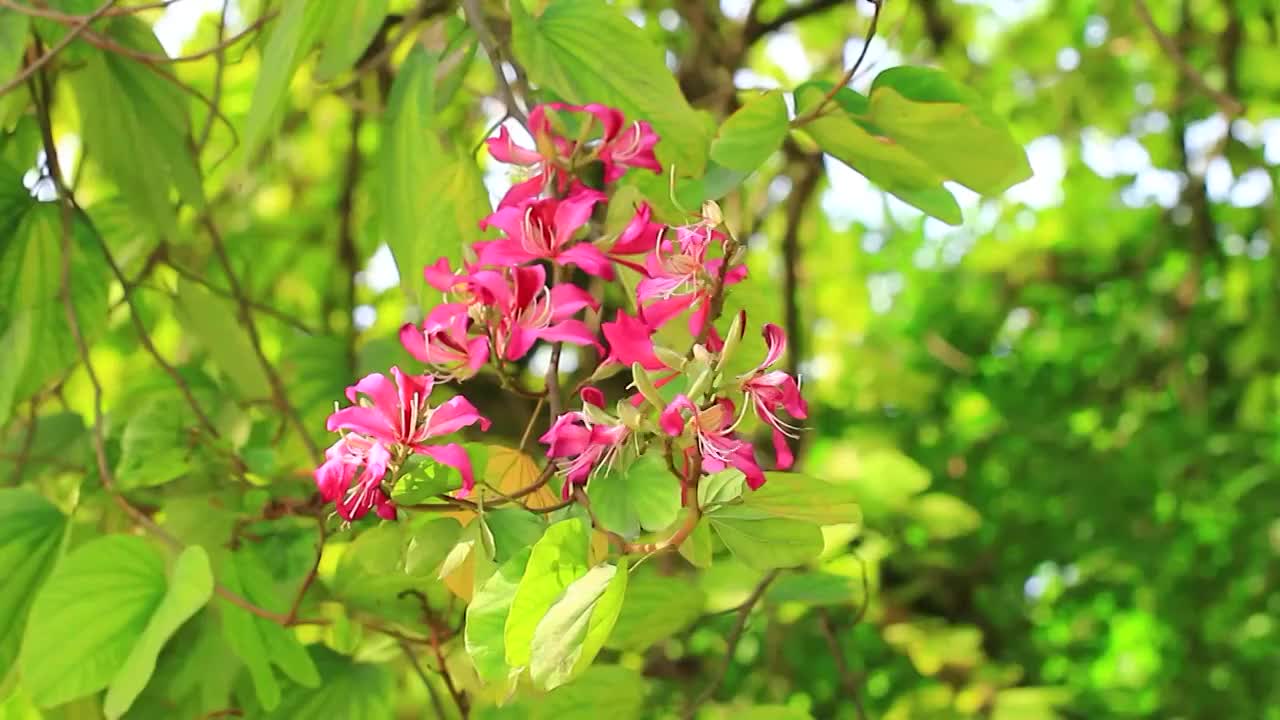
510,295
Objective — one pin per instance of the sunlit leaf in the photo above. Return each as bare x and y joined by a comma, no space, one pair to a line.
557,560
749,136
766,542
30,538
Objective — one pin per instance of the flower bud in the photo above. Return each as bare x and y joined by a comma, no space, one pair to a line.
702,383
645,385
732,338
701,354
629,415
669,357
711,213
596,415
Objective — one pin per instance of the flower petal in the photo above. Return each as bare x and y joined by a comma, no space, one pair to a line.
453,415
455,457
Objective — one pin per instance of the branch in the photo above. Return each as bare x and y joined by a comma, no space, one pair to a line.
475,17
246,318
76,30
347,254
754,30
744,611
848,75
1230,106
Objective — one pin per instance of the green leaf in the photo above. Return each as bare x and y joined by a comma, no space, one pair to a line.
30,538
423,479
431,198
88,617
720,488
428,544
293,35
487,617
558,559
945,516
13,41
802,497
138,126
892,167
190,587
352,27
257,641
656,608
564,48
157,444
765,542
512,531
697,547
351,691
568,638
753,133
213,322
33,321
643,496
603,691
816,589
938,119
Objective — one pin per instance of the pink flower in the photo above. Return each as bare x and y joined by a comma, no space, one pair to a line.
641,235
442,342
351,454
529,311
631,341
583,446
543,230
681,277
771,390
396,417
619,146
712,428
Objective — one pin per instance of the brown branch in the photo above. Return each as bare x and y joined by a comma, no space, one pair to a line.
754,30
246,318
69,18
848,75
847,678
283,317
475,17
422,675
1230,106
221,59
735,635
75,31
348,257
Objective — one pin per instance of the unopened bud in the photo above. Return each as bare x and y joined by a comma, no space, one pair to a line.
701,354
669,357
732,338
629,415
711,213
702,384
597,415
645,385
605,370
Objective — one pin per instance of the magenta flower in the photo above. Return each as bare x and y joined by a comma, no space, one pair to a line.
443,344
641,235
396,416
619,146
528,311
681,277
543,230
354,454
771,390
630,341
712,428
582,446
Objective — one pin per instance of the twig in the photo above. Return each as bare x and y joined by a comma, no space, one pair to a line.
347,254
744,612
533,420
246,317
76,30
311,574
842,667
1230,106
260,307
816,110
753,31
59,16
221,59
422,675
475,17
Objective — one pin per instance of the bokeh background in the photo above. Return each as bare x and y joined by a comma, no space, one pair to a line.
1062,415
